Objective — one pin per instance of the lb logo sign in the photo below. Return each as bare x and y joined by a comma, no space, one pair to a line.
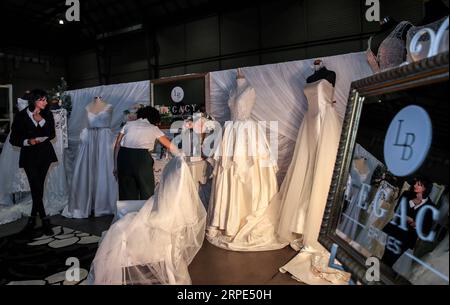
177,94
408,141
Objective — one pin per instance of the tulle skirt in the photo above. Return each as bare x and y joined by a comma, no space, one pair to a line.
244,184
156,244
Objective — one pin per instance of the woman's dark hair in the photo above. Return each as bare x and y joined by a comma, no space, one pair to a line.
426,183
149,113
33,96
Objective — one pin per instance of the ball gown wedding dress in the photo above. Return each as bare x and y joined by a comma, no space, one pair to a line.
94,187
156,244
244,181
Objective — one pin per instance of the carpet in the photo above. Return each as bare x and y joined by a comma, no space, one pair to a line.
35,259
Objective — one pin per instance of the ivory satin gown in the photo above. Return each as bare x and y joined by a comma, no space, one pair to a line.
304,191
244,181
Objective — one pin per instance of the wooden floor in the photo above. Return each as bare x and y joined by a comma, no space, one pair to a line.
211,266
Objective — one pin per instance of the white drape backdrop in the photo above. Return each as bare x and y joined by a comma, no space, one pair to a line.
121,96
279,90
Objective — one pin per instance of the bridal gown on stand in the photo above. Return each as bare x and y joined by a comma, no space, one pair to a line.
244,181
156,244
94,187
304,191
14,182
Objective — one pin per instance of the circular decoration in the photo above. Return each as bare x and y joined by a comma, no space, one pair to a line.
177,94
408,141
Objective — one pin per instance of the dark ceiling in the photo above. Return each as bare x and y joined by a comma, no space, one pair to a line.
34,24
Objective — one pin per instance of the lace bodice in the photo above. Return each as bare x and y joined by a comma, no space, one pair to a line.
425,40
392,50
101,119
60,117
241,101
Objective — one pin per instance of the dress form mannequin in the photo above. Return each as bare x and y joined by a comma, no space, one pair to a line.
97,105
321,72
240,75
387,25
361,165
387,48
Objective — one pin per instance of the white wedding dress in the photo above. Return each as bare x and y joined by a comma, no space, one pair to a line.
13,179
244,181
304,191
94,187
156,244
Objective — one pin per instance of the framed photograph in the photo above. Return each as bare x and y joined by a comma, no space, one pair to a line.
388,207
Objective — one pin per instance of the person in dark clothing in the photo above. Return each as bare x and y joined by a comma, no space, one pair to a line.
32,130
416,198
133,165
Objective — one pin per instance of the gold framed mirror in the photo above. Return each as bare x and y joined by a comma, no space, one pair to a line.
387,209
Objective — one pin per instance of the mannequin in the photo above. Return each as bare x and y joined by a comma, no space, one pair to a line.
321,72
361,165
434,10
97,105
387,25
387,48
240,75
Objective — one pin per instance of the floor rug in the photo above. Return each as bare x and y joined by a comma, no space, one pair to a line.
35,259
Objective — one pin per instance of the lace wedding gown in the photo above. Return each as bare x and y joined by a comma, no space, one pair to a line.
94,187
13,179
244,180
156,244
304,191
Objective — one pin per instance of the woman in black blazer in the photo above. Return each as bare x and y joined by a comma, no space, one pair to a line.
417,198
32,130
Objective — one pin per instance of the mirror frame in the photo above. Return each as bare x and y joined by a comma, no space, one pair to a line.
422,73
